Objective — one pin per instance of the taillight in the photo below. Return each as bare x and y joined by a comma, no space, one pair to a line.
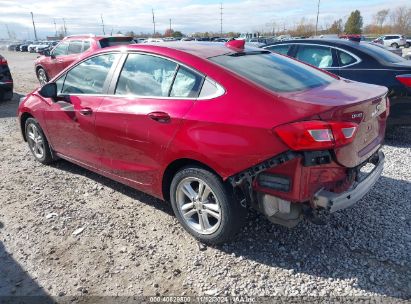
3,61
404,79
316,135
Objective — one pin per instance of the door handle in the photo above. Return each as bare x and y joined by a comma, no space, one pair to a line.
160,116
86,111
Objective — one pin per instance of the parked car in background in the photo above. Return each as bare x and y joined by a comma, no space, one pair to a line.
359,61
408,42
394,40
46,46
6,81
69,50
173,120
32,47
25,46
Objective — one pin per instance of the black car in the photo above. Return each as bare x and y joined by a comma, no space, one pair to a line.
359,61
6,82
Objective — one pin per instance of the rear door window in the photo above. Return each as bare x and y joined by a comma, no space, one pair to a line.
281,48
86,45
345,58
89,76
75,47
113,41
146,75
315,55
186,84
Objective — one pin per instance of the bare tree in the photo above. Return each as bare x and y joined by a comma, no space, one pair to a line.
401,20
381,16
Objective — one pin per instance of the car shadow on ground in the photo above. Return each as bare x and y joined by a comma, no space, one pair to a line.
339,250
8,108
16,285
399,137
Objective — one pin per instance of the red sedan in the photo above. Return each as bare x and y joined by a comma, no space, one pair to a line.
214,129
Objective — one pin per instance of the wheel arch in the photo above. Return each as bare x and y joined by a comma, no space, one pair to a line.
174,167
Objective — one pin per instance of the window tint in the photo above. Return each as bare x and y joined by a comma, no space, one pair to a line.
315,55
75,47
186,83
60,49
89,76
346,58
112,41
274,72
146,75
281,49
86,45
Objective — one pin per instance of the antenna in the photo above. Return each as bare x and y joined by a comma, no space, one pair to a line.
154,23
318,12
102,24
55,27
221,19
34,26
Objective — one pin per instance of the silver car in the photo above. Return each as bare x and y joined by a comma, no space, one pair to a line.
393,40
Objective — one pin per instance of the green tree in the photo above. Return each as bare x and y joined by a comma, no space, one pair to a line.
336,27
354,23
177,34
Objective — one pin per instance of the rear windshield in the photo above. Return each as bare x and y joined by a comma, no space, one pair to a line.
380,53
113,41
274,72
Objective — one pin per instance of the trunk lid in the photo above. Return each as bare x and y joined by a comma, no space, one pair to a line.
356,102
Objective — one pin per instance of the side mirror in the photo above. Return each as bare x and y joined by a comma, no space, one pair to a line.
46,53
49,90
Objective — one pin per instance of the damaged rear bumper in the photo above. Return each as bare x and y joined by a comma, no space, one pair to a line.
338,201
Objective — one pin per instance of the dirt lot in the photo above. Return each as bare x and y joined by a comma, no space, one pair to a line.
133,245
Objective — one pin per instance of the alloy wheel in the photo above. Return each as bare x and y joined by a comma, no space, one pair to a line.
35,141
42,76
198,205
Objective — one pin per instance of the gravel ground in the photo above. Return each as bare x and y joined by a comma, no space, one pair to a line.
132,244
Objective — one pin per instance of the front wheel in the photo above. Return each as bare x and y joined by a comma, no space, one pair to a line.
395,45
204,206
37,141
42,76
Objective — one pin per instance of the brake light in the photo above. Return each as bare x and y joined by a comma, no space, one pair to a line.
316,135
404,79
3,61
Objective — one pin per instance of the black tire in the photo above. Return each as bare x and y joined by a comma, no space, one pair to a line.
1,95
46,157
42,76
407,45
395,45
232,214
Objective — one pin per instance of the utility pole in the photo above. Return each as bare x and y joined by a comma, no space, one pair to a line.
8,31
64,27
221,19
318,12
34,26
154,23
170,26
55,27
102,24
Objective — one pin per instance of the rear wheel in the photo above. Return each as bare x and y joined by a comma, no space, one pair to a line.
407,45
395,45
42,76
204,206
37,141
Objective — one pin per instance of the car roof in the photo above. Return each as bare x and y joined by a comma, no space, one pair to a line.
331,42
197,48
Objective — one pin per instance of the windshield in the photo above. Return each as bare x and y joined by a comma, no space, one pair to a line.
274,72
380,53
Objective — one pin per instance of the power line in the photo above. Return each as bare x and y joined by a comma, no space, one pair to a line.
34,26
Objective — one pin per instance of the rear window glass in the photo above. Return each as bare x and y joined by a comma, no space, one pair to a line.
113,41
380,53
274,72
281,48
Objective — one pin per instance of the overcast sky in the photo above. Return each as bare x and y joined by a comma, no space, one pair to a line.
83,16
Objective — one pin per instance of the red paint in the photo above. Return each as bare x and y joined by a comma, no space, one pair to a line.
133,140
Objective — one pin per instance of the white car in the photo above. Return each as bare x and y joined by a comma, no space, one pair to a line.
32,47
394,40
